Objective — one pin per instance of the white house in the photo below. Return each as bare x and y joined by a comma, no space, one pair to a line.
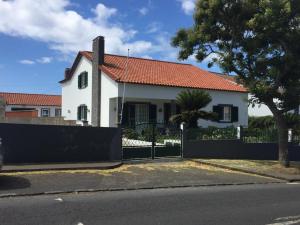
31,105
96,86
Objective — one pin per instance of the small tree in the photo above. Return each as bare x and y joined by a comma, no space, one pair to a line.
190,102
259,41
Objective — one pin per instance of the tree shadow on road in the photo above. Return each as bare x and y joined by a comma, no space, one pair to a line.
13,182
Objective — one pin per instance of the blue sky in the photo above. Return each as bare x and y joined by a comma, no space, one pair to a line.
40,38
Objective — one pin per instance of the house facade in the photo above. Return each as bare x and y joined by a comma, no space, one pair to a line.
106,90
22,105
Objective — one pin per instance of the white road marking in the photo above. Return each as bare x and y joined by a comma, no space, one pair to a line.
59,199
80,223
288,218
292,183
286,222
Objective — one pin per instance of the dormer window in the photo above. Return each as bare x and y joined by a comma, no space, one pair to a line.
83,80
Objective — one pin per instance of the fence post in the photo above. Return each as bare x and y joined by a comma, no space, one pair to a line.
183,137
290,135
239,133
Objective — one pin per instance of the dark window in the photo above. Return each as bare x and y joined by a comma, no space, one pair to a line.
45,112
152,113
167,112
82,113
83,80
226,113
57,112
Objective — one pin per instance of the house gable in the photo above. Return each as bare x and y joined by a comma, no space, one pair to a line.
72,95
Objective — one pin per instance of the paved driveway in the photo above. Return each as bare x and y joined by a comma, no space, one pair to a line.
128,176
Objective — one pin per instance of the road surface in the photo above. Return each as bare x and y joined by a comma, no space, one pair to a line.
272,204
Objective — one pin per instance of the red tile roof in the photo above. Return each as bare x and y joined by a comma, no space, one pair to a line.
31,99
155,72
228,77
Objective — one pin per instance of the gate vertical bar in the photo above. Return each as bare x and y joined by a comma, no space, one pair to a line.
153,142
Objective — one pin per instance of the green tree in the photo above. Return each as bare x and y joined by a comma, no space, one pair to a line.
259,41
190,102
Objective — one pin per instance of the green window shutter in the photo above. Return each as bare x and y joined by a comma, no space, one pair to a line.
79,113
234,114
85,112
152,113
125,115
167,112
131,112
219,111
86,79
79,81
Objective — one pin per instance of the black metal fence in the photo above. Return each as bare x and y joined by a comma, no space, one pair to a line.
212,133
151,140
247,135
236,143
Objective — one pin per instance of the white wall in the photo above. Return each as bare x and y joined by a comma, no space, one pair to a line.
258,109
109,89
72,96
170,93
39,108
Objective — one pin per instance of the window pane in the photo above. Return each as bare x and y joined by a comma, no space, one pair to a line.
141,113
227,113
57,112
45,112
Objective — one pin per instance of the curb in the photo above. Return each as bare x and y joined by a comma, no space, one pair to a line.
64,168
246,171
79,191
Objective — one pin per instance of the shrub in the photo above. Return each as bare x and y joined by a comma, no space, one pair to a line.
130,133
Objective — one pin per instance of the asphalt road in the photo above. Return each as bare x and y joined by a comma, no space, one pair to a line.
272,204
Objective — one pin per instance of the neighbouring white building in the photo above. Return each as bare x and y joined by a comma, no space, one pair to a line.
256,110
31,105
93,90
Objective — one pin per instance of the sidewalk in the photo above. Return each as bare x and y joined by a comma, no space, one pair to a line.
127,177
59,166
267,168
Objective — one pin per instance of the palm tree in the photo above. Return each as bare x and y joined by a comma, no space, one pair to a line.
190,102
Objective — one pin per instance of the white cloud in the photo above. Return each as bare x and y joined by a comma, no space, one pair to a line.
163,46
103,13
146,57
187,6
63,29
26,62
154,27
143,11
45,60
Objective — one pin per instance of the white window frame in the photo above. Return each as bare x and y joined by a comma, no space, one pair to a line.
45,110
